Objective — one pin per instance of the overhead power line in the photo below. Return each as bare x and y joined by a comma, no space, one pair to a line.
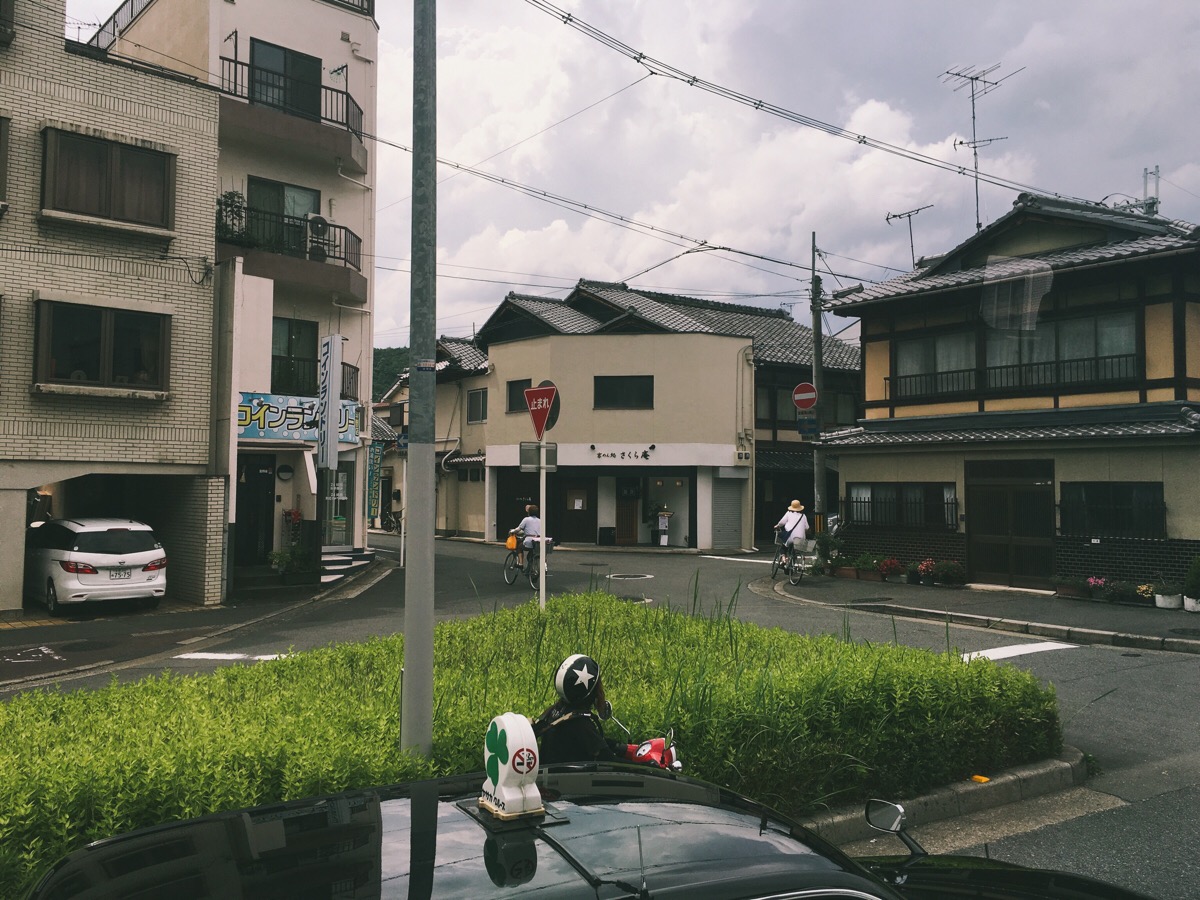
668,71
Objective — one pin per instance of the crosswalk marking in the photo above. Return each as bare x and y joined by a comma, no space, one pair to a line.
229,656
1018,650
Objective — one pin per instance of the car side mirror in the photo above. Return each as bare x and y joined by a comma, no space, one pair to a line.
885,816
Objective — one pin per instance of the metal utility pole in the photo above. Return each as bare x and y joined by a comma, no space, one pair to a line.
818,380
416,693
980,85
909,215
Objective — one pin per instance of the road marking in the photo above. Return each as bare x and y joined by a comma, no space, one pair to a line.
1018,650
31,655
229,657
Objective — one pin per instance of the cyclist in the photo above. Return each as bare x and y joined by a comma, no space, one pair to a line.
793,524
531,529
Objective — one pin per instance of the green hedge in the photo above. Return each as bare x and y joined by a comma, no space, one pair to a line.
795,721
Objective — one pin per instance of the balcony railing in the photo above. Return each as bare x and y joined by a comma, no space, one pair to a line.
107,35
297,377
1061,373
298,236
291,95
349,382
362,6
916,515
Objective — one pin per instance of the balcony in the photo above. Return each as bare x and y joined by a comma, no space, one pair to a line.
911,515
1055,375
291,376
367,7
315,102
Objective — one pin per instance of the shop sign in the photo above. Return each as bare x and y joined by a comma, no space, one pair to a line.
623,454
282,417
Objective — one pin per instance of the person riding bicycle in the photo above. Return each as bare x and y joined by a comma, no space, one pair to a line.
569,730
530,529
793,524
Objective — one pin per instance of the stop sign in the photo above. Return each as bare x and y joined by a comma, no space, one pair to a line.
804,395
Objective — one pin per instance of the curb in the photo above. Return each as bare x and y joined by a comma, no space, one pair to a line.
1057,632
1069,769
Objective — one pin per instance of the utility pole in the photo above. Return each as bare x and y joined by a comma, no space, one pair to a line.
818,380
980,85
416,691
909,215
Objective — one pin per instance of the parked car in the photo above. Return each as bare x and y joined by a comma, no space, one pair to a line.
605,830
69,561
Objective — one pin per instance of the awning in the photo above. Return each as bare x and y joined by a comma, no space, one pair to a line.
767,462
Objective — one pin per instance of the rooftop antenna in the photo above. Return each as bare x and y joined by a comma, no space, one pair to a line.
980,84
908,215
1150,200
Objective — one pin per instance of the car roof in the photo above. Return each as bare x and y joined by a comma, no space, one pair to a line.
609,830
98,523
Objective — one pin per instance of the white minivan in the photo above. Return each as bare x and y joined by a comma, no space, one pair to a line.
69,561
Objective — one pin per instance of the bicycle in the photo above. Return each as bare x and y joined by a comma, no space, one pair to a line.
512,568
786,559
389,522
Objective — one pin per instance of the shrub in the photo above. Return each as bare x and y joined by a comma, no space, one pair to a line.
1074,582
1191,581
1096,583
798,722
912,570
1146,591
827,546
867,562
889,567
925,567
1119,591
949,571
1169,588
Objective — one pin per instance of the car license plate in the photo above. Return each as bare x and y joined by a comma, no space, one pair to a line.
117,574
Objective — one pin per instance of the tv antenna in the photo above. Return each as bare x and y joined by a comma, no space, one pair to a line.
980,84
908,215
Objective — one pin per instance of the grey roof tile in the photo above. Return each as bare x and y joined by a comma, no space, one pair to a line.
556,313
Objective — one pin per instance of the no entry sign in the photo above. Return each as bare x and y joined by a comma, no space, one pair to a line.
804,395
539,400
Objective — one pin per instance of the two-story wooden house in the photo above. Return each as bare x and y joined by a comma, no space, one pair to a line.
1032,400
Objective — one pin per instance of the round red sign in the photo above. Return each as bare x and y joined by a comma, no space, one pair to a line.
804,395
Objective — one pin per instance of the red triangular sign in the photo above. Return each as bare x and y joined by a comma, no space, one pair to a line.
539,400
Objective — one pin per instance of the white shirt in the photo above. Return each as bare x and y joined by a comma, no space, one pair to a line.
531,525
794,525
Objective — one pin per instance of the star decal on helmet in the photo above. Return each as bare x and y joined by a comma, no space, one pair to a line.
583,676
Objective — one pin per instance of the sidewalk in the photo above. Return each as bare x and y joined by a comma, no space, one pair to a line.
1035,613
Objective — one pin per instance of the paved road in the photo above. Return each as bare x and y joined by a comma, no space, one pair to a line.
1132,709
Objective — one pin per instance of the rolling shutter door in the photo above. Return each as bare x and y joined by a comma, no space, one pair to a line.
727,513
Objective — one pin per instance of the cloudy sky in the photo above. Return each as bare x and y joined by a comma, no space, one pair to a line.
1092,93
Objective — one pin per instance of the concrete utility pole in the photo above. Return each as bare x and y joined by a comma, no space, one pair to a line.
416,694
818,380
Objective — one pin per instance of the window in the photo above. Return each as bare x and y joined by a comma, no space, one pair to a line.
294,357
7,32
476,406
516,395
1113,509
4,124
285,79
94,177
276,215
398,417
1092,348
939,364
623,392
898,505
95,345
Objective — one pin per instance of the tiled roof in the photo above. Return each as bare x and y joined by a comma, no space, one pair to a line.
555,313
463,353
799,460
381,431
1132,234
1114,422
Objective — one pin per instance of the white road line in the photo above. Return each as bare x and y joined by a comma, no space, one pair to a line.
229,656
1018,650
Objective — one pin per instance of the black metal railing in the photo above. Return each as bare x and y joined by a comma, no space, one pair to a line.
917,514
304,237
349,382
1053,374
928,384
117,22
294,376
291,95
362,6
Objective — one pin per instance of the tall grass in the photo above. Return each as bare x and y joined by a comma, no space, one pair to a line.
795,721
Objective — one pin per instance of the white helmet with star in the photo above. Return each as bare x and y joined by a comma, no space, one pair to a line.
577,679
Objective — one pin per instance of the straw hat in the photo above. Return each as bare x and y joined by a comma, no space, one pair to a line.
796,506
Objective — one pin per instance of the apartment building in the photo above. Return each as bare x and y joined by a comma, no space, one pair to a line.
1032,400
107,170
673,425
296,85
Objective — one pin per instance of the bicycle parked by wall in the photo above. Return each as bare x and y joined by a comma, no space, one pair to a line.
512,565
787,557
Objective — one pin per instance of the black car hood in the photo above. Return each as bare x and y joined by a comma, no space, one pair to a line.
953,877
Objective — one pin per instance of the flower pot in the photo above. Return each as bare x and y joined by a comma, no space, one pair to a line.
869,575
846,572
927,580
1077,593
1191,604
1168,601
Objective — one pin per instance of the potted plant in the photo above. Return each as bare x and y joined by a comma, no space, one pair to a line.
231,218
828,547
867,566
1191,587
1168,595
949,571
912,575
890,568
925,570
1117,591
1072,586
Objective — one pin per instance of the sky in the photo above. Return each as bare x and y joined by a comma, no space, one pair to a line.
1088,95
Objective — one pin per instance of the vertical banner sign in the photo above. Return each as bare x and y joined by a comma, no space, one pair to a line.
329,401
539,400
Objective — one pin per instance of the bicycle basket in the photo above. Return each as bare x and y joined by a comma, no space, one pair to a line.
511,543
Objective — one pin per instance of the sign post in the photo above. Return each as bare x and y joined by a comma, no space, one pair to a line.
539,400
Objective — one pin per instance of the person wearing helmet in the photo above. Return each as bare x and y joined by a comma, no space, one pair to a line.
569,730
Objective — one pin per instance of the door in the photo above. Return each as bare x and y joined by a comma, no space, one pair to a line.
1010,522
337,494
254,528
629,498
576,512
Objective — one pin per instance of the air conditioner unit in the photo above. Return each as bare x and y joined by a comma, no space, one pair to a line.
318,231
318,226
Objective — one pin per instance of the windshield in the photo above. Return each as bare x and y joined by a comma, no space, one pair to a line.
115,541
